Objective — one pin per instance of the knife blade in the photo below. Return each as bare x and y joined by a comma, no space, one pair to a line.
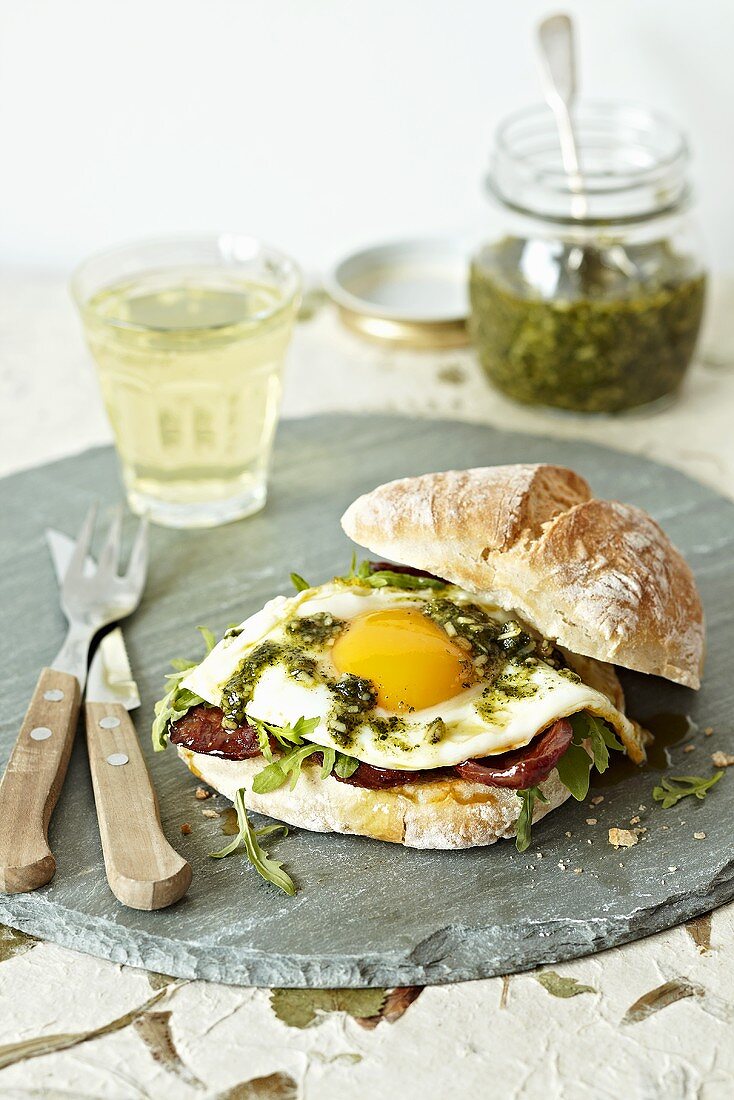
110,678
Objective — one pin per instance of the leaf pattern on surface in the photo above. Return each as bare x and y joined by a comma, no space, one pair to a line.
395,1005
154,1028
276,1086
661,997
300,1007
13,942
699,929
157,980
49,1044
559,986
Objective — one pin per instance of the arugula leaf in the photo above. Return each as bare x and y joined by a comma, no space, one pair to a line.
268,830
289,764
263,739
299,583
587,727
673,788
383,578
269,869
345,765
209,640
177,701
295,750
574,769
269,779
525,821
181,665
328,763
173,706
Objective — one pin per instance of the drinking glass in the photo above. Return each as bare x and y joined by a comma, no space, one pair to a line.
189,335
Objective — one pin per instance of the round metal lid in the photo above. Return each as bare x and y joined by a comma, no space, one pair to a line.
411,293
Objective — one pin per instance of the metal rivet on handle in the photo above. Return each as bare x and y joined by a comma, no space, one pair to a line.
41,733
117,758
55,695
109,723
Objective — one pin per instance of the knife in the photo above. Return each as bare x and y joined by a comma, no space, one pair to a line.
143,870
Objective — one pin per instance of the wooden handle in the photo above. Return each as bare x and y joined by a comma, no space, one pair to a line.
33,780
143,870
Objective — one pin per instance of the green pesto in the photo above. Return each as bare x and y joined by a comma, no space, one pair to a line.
482,636
353,697
385,728
315,630
514,682
436,731
605,342
239,689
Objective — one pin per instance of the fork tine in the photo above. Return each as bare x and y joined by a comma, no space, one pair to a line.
138,566
109,558
75,568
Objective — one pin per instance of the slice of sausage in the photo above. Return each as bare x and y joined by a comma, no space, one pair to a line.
380,779
524,767
201,731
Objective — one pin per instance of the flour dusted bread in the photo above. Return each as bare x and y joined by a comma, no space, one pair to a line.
599,577
446,813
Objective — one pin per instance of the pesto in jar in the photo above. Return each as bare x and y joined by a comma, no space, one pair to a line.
613,328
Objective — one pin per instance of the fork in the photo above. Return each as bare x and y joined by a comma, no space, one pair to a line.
37,766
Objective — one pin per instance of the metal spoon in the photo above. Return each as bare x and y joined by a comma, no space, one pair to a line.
558,72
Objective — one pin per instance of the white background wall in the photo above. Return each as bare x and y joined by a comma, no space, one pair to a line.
316,124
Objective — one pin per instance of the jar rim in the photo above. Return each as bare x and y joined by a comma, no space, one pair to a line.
633,164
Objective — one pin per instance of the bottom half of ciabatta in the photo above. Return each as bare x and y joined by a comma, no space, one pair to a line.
445,813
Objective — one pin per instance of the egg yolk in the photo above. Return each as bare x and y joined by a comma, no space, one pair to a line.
411,661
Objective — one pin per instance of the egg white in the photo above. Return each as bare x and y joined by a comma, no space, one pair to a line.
279,699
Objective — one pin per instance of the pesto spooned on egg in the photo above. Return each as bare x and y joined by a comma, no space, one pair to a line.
395,671
398,677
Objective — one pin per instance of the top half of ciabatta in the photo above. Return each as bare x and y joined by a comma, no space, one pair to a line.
599,577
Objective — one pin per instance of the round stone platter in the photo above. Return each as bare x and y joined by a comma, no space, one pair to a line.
366,913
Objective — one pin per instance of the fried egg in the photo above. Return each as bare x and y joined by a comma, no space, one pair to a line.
389,684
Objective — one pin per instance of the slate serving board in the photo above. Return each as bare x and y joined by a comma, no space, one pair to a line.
366,913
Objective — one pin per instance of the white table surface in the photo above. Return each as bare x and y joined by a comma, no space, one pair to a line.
501,1037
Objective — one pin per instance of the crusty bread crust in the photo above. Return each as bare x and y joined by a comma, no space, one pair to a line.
599,577
446,813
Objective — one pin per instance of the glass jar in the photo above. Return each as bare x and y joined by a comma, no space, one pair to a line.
589,300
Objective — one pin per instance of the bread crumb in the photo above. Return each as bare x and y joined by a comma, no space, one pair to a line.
722,759
201,793
210,813
672,868
591,821
622,838
568,834
642,809
578,870
708,731
635,820
185,828
597,800
699,836
689,748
